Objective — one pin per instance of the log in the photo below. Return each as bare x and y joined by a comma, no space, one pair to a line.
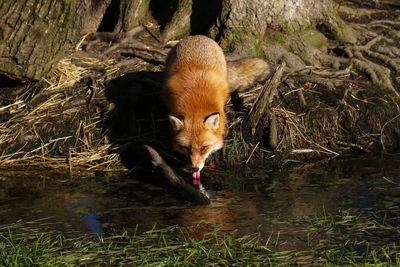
163,171
149,163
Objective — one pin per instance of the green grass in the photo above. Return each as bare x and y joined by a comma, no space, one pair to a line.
165,247
364,239
343,239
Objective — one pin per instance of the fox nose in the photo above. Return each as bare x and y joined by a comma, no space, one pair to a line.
195,169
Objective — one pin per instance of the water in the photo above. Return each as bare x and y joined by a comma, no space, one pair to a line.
248,200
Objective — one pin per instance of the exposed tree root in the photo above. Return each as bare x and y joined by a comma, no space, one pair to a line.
355,147
391,51
377,58
125,44
385,22
116,38
303,79
379,74
393,63
180,22
371,59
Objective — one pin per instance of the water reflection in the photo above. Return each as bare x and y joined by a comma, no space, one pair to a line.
266,204
86,209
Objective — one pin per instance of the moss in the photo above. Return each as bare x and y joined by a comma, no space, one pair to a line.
248,43
339,30
11,68
68,21
296,26
256,45
277,38
315,38
183,32
298,47
253,44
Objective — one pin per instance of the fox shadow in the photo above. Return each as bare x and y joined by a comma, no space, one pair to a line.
136,124
136,116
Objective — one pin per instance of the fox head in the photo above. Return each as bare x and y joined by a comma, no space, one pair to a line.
197,138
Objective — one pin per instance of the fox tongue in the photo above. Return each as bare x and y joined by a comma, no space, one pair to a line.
196,178
196,175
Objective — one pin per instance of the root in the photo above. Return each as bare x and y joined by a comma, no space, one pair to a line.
125,44
393,63
376,58
379,75
389,50
352,146
385,22
331,84
360,57
110,37
180,22
329,78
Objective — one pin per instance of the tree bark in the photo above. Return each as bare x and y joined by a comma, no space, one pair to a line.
35,34
258,16
240,20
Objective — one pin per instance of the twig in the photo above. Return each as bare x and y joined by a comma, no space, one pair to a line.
264,99
383,128
69,162
352,146
252,152
154,35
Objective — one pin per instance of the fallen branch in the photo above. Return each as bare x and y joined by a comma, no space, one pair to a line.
353,146
148,162
261,107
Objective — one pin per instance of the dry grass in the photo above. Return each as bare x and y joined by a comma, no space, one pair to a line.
98,159
353,117
61,126
58,116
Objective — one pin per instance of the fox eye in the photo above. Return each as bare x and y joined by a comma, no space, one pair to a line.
204,149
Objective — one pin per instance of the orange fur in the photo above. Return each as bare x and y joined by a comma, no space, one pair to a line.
195,91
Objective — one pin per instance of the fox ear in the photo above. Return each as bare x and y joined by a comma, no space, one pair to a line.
212,121
176,124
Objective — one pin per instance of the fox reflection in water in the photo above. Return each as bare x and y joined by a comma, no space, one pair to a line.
276,204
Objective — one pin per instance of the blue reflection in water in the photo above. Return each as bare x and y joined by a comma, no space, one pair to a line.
92,221
84,207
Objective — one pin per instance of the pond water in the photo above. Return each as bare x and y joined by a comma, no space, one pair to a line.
248,200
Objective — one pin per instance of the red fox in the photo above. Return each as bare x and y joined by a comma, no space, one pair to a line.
195,90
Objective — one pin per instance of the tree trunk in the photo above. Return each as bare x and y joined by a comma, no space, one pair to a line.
34,35
259,16
250,23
